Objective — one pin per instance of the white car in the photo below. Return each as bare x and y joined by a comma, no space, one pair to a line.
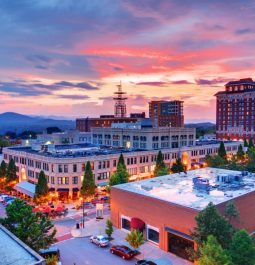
2,197
101,241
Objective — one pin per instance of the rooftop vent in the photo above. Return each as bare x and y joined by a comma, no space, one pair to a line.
147,188
201,183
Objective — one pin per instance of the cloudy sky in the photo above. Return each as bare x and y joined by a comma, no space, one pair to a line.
65,57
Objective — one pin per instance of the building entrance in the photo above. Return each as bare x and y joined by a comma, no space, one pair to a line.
179,245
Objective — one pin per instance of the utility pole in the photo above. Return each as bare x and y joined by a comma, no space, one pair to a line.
83,212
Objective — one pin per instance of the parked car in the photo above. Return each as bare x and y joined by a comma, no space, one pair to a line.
2,196
145,262
10,201
8,198
101,241
50,252
123,251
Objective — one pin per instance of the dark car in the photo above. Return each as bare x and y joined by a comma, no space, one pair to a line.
145,262
123,251
50,252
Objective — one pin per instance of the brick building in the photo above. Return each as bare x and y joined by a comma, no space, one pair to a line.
166,113
168,205
235,110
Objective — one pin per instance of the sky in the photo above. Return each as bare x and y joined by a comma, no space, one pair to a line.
65,57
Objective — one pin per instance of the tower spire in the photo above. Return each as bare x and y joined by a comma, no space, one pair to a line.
120,109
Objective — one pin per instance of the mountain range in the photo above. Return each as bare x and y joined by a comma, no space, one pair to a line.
11,121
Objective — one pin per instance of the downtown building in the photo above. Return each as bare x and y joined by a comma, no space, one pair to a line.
166,113
235,110
168,205
64,165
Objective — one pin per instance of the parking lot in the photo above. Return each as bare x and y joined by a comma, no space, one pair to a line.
79,251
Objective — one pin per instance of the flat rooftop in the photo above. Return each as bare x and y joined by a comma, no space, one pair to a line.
75,150
214,185
15,252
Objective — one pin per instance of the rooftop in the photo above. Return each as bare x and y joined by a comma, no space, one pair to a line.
195,189
15,252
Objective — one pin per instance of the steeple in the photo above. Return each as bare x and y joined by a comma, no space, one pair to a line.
120,109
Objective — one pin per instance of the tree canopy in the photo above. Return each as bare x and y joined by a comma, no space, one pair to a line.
212,253
242,249
11,174
121,175
3,169
178,166
135,238
41,188
222,151
161,168
231,211
34,229
240,153
210,222
88,183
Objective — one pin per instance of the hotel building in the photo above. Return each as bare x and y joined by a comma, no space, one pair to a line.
168,205
235,111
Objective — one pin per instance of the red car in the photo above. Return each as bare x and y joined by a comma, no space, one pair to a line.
123,251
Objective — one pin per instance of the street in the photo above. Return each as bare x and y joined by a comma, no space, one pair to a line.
70,251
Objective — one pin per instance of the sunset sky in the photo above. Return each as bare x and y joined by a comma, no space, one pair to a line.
65,57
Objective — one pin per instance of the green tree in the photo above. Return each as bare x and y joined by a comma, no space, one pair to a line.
135,238
222,151
231,211
245,143
41,188
212,253
240,153
210,222
52,260
121,175
34,229
215,161
11,174
161,168
88,183
251,160
251,144
109,228
178,166
242,249
3,169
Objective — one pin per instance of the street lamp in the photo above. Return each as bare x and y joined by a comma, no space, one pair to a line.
83,212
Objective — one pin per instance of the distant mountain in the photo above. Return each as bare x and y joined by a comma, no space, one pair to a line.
11,121
200,125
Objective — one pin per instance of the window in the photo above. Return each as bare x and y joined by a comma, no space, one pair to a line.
60,169
125,223
52,180
65,168
75,180
153,234
74,168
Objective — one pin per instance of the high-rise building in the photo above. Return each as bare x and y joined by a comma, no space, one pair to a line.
235,110
166,113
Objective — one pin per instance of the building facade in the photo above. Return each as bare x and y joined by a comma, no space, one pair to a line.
166,113
64,165
235,110
138,137
168,205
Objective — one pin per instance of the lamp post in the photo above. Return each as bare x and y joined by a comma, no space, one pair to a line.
83,212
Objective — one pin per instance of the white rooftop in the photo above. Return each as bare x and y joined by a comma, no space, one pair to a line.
180,189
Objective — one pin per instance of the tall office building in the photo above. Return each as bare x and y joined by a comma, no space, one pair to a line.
235,110
166,113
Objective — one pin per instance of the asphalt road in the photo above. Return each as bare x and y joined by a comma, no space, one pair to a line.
79,251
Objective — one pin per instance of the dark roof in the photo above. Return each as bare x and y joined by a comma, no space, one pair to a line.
244,81
235,92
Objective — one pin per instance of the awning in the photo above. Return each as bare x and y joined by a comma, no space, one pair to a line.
102,184
26,187
178,233
63,190
75,189
137,224
51,189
